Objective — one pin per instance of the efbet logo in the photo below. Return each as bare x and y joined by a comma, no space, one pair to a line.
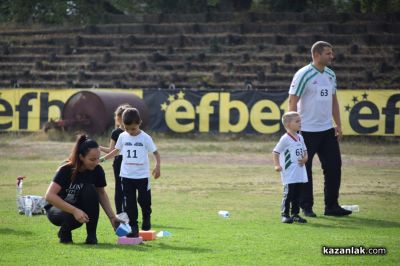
373,113
218,112
173,112
29,109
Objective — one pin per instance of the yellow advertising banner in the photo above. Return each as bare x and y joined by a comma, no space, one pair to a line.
363,112
370,112
29,109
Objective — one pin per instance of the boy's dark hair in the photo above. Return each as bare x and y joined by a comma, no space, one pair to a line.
131,116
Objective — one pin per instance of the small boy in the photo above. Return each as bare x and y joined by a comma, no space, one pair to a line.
134,145
290,155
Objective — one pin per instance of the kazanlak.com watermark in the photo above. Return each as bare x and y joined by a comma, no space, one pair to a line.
353,250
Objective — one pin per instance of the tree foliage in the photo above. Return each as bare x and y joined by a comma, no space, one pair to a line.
361,6
94,11
52,11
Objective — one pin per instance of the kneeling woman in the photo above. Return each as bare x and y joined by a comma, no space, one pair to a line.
76,191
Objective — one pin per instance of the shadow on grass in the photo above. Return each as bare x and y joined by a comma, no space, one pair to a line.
354,222
10,231
141,247
190,249
146,247
168,227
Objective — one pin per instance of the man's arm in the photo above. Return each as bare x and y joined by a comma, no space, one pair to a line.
336,117
293,100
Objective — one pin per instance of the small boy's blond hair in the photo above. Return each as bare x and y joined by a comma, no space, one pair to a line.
288,117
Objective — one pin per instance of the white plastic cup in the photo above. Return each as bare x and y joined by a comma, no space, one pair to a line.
123,216
163,233
224,214
353,208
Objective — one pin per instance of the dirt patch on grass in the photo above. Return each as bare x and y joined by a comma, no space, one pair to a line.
36,150
370,161
256,159
216,159
209,153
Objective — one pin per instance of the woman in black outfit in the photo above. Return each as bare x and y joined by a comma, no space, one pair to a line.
76,191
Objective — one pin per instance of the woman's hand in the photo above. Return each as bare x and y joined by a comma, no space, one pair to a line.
115,222
80,216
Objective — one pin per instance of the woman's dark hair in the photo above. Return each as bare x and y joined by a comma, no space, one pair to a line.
82,146
120,110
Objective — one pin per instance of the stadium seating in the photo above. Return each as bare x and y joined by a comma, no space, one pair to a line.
208,50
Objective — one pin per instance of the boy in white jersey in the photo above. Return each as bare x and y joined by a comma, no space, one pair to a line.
290,155
134,145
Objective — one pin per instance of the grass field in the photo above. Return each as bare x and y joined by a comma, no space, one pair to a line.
199,178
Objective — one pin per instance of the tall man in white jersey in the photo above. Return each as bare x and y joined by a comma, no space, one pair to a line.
313,94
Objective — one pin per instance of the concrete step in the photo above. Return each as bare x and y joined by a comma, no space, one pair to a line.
208,49
273,85
59,35
183,40
174,76
253,17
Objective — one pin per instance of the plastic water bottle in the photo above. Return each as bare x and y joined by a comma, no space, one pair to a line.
19,185
353,208
20,202
224,214
28,206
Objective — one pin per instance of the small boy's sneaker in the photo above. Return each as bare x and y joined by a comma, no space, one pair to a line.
298,219
134,233
287,220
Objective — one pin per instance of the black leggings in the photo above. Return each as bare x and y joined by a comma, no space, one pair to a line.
88,201
119,194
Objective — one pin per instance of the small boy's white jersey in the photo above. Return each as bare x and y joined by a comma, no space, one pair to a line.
315,90
134,151
290,150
